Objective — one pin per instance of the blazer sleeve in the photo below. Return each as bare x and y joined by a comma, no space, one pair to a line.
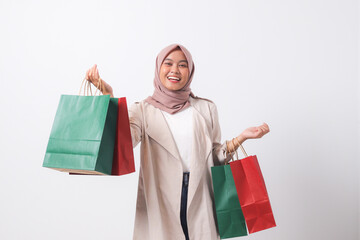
136,123
219,150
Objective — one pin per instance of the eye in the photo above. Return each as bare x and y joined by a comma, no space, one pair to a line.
183,65
168,63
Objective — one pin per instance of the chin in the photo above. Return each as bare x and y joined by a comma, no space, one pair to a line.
173,89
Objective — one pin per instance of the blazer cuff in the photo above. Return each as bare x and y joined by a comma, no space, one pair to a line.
222,155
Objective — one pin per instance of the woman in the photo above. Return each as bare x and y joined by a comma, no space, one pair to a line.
179,135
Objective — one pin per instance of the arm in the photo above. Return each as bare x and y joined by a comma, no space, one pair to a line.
249,133
219,150
223,152
135,112
136,126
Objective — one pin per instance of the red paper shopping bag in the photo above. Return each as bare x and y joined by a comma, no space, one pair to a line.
123,162
252,193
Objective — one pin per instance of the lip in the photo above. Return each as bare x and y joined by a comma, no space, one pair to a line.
173,80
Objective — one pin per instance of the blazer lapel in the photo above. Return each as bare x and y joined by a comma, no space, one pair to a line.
202,148
157,128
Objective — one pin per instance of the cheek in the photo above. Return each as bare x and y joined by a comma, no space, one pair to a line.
163,70
163,74
186,74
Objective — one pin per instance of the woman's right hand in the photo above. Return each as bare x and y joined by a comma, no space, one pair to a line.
92,75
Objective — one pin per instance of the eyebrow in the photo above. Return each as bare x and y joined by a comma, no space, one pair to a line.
173,60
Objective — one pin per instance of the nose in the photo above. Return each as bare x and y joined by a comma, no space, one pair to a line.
174,69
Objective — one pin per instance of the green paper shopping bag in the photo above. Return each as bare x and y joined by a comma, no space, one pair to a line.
83,135
230,219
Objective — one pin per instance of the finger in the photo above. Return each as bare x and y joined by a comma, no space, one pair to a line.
263,131
266,130
94,68
92,75
90,72
267,126
97,73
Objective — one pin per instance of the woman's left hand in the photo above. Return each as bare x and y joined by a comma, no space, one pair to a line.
255,132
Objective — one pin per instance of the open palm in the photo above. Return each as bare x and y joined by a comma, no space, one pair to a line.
256,132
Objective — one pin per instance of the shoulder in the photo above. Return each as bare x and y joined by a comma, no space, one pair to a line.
203,104
143,108
141,104
207,110
137,108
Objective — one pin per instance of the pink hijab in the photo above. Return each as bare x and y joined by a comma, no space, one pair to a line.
169,100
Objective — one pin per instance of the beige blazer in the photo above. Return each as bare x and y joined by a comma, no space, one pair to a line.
160,178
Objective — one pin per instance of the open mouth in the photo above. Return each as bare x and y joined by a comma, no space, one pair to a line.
173,79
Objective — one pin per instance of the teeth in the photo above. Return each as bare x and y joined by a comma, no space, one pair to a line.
177,79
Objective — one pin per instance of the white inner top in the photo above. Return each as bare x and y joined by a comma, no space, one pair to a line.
181,127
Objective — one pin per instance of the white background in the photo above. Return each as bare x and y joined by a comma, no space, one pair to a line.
292,64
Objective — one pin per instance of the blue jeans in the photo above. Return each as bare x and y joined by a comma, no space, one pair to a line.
184,193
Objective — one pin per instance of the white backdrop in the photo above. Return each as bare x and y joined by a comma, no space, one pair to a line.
292,64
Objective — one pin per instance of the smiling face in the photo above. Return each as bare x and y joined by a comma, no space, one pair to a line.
174,71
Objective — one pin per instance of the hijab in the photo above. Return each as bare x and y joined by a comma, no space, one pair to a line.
169,100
